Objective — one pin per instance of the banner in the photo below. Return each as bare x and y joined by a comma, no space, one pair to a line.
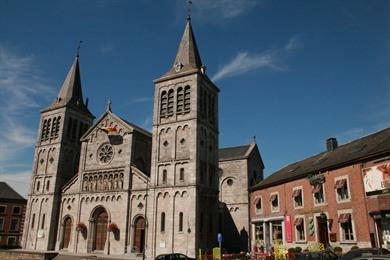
287,227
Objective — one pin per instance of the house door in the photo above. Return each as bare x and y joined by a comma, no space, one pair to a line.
322,231
67,232
101,230
139,235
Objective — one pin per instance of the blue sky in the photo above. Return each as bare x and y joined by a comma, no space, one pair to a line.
292,73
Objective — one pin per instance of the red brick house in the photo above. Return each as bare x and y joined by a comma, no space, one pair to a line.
12,211
339,197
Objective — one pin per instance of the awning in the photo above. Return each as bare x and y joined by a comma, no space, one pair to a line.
296,193
298,222
272,198
340,183
317,188
344,218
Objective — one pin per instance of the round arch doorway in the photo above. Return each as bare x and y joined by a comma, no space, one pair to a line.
67,232
139,235
100,237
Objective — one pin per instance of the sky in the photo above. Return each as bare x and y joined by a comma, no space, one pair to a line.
291,73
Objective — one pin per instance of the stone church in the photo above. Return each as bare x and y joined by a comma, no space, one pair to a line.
111,187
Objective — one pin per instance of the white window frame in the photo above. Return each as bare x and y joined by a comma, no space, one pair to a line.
259,211
278,197
303,202
346,177
341,234
17,225
20,210
314,197
304,229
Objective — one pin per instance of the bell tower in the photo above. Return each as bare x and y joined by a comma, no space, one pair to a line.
56,159
183,207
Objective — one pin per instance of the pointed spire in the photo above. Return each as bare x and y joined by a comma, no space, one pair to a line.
71,92
187,57
108,109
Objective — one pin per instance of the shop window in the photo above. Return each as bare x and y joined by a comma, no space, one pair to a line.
342,190
259,232
319,195
16,210
298,198
299,225
346,227
3,209
274,199
277,231
11,241
14,224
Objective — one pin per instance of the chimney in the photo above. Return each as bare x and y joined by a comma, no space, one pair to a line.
331,144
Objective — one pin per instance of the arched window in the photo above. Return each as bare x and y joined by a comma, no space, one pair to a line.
53,127
38,185
164,176
180,221
33,221
47,131
164,103
181,174
43,222
170,102
187,98
180,100
43,131
162,227
47,185
57,128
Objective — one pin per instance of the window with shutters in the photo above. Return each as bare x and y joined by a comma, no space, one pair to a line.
342,189
43,131
299,224
187,98
164,103
180,100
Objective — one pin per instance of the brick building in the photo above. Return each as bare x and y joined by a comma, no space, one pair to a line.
12,210
338,197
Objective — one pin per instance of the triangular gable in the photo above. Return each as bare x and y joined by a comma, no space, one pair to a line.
254,149
109,119
140,179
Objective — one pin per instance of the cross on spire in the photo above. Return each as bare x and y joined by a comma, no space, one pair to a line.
189,4
109,104
78,49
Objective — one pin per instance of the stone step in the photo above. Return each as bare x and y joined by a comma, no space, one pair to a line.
70,256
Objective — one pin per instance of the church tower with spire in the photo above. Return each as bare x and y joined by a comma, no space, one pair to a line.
56,160
183,207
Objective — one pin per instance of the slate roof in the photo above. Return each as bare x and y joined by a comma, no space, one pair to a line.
187,54
7,193
233,153
368,147
71,93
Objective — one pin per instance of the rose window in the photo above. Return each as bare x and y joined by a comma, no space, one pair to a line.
105,153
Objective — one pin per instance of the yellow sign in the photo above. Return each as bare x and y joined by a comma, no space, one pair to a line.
216,253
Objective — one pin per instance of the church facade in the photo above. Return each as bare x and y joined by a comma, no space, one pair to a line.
111,187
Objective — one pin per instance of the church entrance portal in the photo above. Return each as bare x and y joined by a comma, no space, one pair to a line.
139,235
67,232
100,230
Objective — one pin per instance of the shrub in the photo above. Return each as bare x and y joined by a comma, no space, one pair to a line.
298,249
338,250
354,247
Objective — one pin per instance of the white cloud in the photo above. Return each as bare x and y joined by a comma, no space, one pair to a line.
22,90
224,8
293,43
19,181
245,62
